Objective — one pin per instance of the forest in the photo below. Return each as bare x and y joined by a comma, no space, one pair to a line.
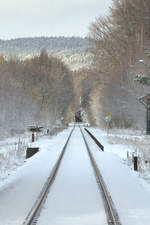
42,88
33,92
121,64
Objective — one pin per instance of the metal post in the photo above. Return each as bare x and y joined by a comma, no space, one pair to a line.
135,163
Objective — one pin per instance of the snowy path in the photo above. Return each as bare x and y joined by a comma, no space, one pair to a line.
74,197
20,191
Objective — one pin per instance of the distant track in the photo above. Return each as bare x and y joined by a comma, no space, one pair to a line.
112,215
33,215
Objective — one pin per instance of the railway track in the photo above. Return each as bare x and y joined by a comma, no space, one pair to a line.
32,217
111,213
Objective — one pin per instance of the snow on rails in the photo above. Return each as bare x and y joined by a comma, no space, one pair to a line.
69,151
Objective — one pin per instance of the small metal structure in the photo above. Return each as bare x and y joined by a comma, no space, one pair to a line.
31,151
145,100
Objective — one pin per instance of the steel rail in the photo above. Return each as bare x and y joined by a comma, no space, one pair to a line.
35,210
112,215
95,139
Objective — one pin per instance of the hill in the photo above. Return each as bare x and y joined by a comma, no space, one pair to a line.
74,51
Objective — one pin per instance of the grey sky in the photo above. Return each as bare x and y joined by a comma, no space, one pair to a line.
24,18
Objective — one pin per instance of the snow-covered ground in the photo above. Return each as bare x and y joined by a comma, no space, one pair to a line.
129,191
125,144
131,195
12,154
21,189
74,197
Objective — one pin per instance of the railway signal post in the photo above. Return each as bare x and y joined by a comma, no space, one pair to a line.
145,100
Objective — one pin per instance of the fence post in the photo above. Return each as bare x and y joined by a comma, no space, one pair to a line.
32,136
135,163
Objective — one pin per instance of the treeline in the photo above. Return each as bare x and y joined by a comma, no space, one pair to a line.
33,46
120,40
37,91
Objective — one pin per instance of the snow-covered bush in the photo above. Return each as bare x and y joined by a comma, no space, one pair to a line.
12,156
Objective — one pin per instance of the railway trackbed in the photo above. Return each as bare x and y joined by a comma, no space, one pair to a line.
74,169
35,211
112,215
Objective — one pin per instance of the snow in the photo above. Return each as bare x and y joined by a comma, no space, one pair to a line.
12,154
20,190
74,197
125,143
130,196
111,140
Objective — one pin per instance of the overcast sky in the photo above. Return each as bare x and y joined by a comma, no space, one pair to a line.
29,18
